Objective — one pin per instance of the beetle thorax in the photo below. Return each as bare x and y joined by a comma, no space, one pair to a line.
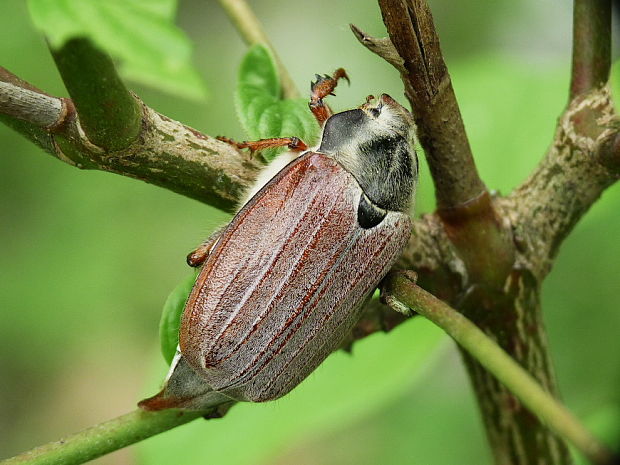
373,143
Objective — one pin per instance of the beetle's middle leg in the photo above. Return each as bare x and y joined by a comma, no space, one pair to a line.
293,143
320,89
198,256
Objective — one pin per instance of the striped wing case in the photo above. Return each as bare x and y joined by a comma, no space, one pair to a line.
286,282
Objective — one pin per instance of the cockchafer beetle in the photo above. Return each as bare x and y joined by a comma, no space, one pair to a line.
283,284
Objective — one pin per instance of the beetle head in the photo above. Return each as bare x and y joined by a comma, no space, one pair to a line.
374,143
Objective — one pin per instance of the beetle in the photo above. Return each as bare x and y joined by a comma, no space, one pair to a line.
283,284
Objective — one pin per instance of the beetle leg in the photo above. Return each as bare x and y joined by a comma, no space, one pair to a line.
320,89
197,257
293,143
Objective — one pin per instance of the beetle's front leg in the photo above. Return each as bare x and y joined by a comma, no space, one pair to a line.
293,143
320,89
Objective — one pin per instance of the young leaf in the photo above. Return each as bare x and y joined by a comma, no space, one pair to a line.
152,50
262,111
171,317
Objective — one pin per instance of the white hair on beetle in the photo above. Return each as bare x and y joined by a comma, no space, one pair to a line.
268,172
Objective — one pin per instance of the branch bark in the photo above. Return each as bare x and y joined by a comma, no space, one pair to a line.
27,105
576,170
591,45
39,136
165,152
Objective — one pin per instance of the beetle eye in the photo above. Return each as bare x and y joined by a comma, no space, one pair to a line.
375,112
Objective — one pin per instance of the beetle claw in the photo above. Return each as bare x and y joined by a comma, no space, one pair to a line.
321,88
340,73
324,85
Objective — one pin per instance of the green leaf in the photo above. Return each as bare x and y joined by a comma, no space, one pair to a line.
171,317
152,50
262,111
258,74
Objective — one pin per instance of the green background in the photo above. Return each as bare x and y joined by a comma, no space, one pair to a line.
87,258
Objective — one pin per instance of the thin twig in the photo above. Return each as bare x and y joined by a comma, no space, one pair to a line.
381,46
252,32
402,294
108,113
104,438
591,45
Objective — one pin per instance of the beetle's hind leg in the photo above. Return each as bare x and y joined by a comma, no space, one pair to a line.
293,143
321,88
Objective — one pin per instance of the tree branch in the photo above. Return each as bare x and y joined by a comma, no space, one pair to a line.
165,153
436,112
252,32
491,259
591,45
464,205
109,115
36,134
581,163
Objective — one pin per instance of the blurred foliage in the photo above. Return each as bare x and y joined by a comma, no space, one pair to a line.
87,259
262,111
143,35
